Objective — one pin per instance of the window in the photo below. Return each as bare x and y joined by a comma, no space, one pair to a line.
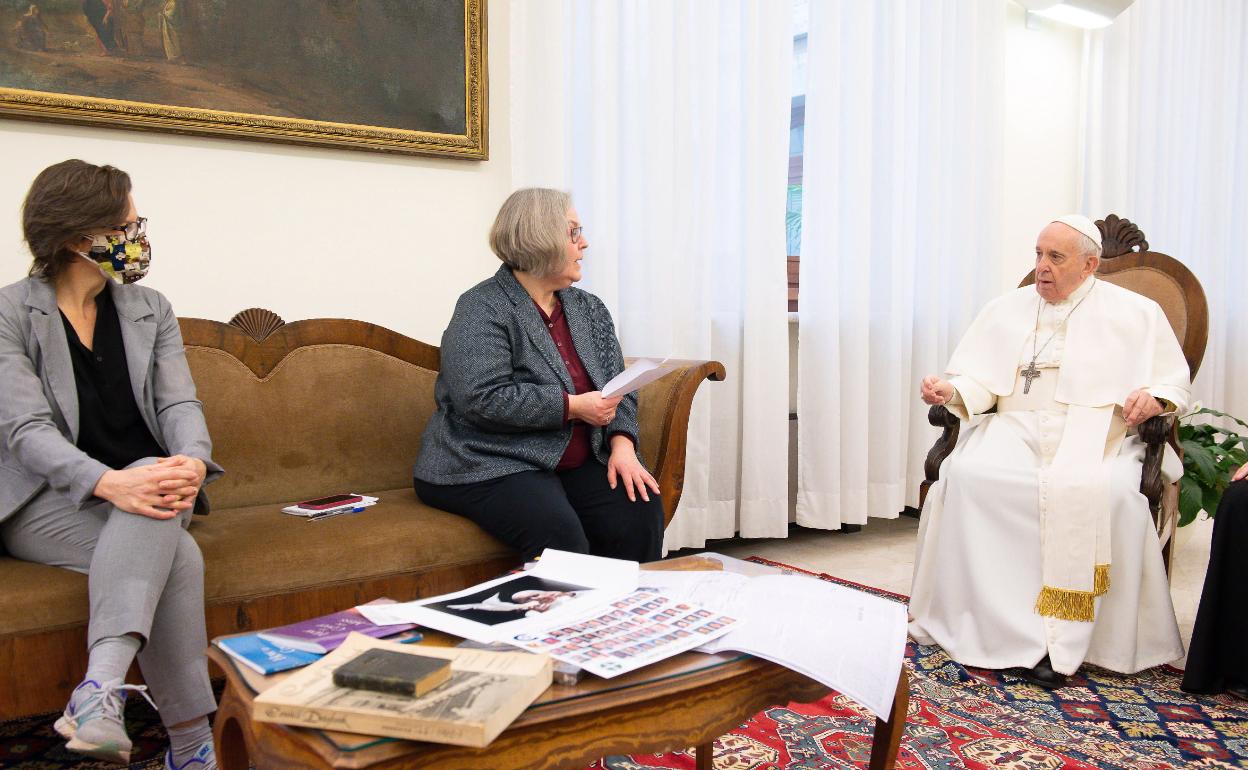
797,136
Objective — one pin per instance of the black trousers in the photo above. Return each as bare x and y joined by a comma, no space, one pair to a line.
574,510
1216,655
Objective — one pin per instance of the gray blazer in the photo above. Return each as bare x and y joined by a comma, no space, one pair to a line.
39,405
500,392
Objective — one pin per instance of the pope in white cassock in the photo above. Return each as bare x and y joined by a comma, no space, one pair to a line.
1036,548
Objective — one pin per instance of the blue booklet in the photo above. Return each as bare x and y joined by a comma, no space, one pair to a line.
264,656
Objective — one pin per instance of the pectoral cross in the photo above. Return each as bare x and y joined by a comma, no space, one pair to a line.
1029,374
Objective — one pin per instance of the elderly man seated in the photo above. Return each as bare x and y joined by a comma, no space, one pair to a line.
1036,548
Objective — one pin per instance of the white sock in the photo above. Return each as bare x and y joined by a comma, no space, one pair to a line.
110,658
185,741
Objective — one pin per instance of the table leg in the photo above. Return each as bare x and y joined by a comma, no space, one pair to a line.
888,734
703,756
227,732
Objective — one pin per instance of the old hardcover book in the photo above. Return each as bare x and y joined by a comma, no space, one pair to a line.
393,672
485,693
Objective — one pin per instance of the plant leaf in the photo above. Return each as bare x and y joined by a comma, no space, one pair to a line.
1197,456
1190,499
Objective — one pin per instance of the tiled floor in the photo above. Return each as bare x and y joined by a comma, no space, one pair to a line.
882,555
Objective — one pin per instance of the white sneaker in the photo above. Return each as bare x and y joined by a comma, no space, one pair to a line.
92,723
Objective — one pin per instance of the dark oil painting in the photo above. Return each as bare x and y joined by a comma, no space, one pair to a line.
395,75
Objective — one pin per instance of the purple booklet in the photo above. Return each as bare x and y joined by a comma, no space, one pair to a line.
327,632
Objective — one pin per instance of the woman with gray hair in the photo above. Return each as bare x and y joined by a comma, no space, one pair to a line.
523,442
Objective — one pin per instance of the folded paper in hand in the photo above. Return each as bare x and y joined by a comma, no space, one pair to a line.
637,375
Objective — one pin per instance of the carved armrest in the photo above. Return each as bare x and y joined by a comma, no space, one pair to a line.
663,409
950,426
1155,432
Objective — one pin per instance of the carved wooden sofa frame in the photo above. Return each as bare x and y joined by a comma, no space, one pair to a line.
43,645
1125,261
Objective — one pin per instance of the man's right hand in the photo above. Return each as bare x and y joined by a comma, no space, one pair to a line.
1240,474
138,490
593,408
936,391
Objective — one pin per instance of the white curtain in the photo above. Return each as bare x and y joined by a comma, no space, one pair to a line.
902,178
669,123
1165,144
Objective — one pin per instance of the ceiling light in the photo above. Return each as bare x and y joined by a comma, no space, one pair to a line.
1087,14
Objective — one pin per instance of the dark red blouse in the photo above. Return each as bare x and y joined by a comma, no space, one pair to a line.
578,450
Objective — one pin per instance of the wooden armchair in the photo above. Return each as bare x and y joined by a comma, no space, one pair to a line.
1127,262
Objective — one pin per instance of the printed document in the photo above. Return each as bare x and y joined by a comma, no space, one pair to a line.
848,640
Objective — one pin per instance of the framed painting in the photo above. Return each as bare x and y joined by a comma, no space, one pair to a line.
404,76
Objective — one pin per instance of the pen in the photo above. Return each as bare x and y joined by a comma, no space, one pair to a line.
335,512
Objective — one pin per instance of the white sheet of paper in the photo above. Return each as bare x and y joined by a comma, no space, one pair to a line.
848,640
597,580
637,375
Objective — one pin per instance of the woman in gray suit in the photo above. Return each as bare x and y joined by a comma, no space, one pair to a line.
103,451
523,442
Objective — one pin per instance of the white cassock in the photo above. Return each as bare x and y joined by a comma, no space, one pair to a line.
1041,499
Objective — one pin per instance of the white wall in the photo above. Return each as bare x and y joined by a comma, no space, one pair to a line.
304,232
1042,81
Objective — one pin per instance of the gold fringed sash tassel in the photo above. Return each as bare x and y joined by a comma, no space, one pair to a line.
1068,604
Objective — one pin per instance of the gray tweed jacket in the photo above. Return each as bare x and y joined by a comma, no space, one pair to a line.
500,392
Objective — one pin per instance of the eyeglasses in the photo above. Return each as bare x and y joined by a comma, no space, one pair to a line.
575,233
133,230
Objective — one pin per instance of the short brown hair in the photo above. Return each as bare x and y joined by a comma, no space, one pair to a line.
530,232
66,200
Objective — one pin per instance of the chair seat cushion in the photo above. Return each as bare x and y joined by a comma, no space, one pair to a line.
260,551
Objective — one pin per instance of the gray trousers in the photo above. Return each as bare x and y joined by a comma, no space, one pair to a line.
145,576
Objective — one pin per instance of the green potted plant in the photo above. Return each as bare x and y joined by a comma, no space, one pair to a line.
1210,455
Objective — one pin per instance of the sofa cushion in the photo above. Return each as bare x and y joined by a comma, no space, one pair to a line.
327,419
259,551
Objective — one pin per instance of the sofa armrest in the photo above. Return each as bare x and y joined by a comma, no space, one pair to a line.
663,421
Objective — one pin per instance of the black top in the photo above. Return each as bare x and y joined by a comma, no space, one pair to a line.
110,425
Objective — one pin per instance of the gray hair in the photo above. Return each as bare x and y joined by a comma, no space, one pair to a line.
530,232
1088,247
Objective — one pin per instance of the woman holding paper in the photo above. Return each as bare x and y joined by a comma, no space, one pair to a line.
104,453
523,442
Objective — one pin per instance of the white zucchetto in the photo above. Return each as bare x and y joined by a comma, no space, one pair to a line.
1083,225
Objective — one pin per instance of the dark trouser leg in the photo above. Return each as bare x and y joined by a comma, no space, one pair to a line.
528,511
1215,657
616,526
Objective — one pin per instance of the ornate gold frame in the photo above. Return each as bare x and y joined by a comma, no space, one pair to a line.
114,113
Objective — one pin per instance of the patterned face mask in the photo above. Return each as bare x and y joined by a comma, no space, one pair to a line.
121,259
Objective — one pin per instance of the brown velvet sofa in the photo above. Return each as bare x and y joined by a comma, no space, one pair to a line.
298,411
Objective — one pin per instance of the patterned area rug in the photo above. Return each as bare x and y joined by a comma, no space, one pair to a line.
959,718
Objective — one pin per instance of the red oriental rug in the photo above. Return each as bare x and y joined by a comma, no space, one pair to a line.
961,717
958,718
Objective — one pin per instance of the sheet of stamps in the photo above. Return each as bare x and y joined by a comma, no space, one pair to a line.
637,629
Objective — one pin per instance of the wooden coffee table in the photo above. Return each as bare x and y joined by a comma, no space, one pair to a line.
687,700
